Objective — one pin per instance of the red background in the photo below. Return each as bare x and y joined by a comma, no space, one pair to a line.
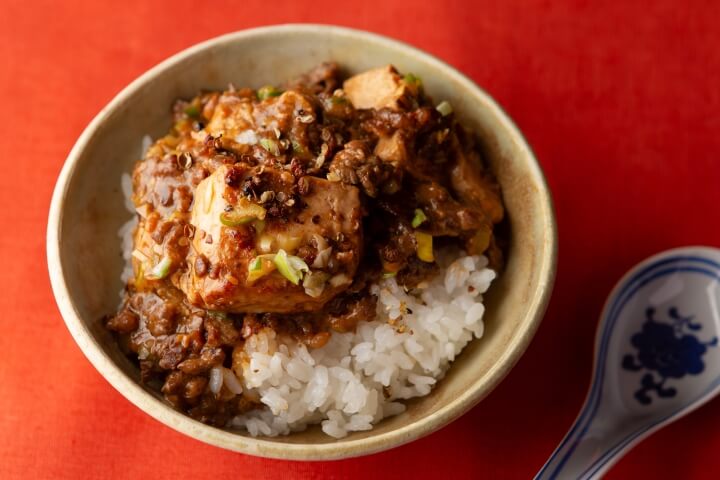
620,103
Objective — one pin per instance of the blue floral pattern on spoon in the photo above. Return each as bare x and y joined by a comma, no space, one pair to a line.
667,350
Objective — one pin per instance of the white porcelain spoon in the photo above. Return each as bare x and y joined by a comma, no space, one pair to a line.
656,359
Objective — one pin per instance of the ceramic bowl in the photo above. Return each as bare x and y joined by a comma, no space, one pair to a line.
83,248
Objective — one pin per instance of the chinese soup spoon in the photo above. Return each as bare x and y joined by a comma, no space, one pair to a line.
656,360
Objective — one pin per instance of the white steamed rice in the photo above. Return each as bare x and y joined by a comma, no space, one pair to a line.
359,378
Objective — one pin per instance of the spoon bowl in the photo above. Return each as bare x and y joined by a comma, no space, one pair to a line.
656,360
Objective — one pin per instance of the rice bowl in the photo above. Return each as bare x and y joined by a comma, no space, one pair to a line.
518,298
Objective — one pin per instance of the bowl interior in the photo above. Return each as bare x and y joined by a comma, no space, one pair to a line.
84,248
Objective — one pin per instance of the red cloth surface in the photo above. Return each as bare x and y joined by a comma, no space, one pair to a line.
620,102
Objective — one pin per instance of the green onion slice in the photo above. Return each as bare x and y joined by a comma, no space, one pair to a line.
444,108
290,267
255,265
234,218
419,218
268,91
243,213
192,111
160,270
260,266
413,79
270,145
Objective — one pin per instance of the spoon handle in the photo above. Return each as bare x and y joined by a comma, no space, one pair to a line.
640,343
589,449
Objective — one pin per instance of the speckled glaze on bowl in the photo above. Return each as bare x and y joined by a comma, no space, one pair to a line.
83,249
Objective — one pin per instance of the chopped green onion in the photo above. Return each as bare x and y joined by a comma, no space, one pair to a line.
284,267
412,79
235,219
444,108
192,111
424,247
270,145
268,91
242,213
419,218
290,267
255,264
260,266
337,100
160,270
389,274
218,314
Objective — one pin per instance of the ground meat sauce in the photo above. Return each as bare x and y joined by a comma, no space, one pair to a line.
278,208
